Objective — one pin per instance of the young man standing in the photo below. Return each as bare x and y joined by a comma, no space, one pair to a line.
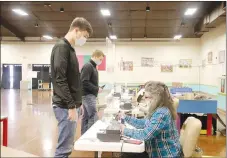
90,89
66,83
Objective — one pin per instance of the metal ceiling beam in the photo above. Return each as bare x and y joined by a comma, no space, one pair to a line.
130,23
201,26
12,29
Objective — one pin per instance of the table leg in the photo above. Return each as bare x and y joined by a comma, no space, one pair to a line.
5,132
178,122
98,154
209,124
214,125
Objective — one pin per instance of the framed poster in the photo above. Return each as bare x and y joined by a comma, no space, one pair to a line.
221,56
166,68
147,62
185,63
128,66
222,85
210,57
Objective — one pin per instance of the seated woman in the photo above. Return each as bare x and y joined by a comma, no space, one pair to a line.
158,129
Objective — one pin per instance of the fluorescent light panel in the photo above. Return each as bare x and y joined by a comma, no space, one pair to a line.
113,37
177,36
190,11
47,37
20,12
105,12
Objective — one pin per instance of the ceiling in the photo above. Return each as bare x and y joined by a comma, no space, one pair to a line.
128,19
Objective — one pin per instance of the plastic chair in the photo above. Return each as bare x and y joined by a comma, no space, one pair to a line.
175,103
189,135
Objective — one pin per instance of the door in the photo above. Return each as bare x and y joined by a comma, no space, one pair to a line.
17,76
5,76
42,74
36,67
11,76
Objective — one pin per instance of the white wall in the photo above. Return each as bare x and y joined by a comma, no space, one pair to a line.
33,53
162,52
166,53
213,41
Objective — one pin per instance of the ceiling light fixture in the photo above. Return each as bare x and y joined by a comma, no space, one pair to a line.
36,25
182,24
20,12
109,24
45,5
177,37
147,8
105,12
190,11
113,37
61,9
47,37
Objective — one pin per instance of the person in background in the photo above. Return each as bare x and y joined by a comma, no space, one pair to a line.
90,89
158,129
66,83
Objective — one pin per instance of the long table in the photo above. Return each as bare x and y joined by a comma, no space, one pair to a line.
89,142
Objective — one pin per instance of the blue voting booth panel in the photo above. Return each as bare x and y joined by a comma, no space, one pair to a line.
180,90
197,106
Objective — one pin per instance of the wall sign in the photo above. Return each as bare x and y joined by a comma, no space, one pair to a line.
185,63
166,68
128,66
210,57
222,57
147,62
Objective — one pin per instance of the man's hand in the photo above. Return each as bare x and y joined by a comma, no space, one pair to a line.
72,115
81,111
100,89
120,115
122,127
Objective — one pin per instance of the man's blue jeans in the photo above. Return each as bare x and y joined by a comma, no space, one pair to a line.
66,132
90,113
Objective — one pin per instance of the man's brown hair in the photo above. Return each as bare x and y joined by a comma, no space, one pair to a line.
97,53
82,24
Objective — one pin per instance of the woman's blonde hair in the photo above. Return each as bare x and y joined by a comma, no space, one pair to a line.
162,92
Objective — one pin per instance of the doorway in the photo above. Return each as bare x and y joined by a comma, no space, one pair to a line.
43,74
11,76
